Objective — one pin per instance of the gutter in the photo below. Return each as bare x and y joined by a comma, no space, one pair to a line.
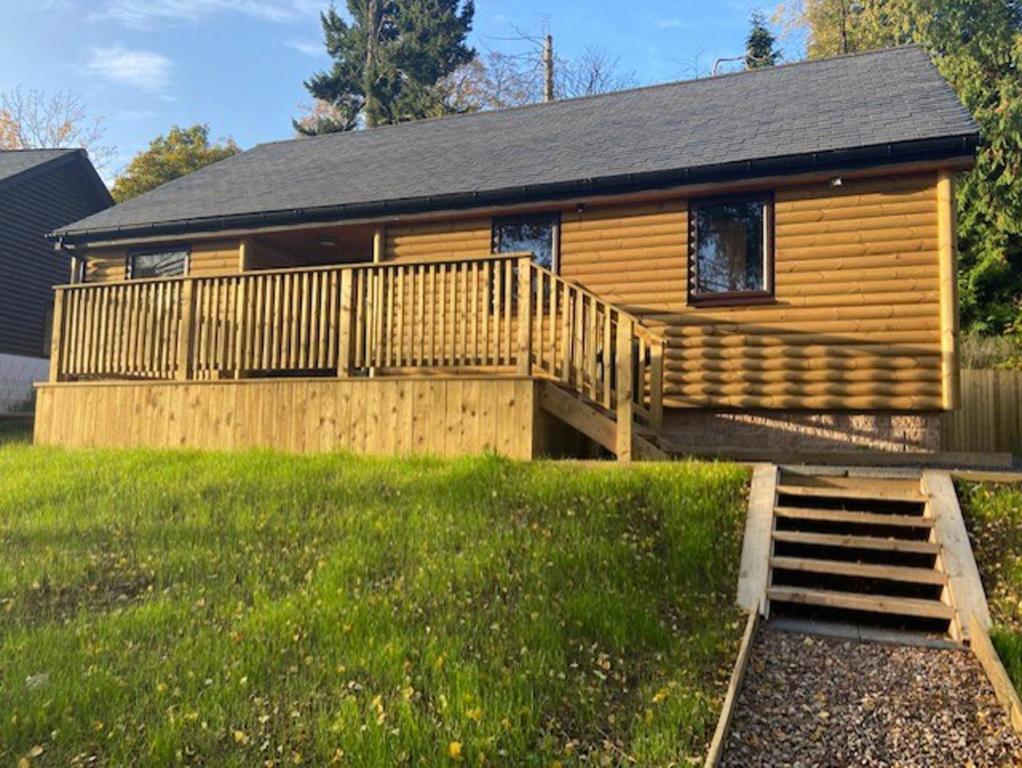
845,159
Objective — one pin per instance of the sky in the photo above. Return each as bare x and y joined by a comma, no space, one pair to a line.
238,65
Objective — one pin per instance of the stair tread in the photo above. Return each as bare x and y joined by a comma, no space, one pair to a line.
864,570
865,492
853,601
857,542
849,516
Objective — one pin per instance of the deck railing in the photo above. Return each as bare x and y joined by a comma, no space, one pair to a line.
498,314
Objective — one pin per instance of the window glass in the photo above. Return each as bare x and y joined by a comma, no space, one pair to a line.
730,247
527,233
169,263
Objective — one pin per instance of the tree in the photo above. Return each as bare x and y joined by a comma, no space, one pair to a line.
500,79
389,62
180,152
593,72
31,119
760,50
832,28
977,45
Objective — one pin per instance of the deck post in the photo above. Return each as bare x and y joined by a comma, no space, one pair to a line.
525,316
948,269
344,347
185,331
56,334
656,385
625,367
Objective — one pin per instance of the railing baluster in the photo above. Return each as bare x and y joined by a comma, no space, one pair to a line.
656,388
625,367
608,355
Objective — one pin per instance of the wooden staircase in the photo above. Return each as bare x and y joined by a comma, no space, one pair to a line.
857,550
598,424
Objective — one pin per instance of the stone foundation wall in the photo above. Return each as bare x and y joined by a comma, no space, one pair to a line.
801,431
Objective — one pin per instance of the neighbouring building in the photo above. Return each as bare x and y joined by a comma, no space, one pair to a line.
40,190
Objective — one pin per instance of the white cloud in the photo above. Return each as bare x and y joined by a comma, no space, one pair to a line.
308,47
136,114
147,13
147,70
672,24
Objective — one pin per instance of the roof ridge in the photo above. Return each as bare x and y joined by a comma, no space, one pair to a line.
609,94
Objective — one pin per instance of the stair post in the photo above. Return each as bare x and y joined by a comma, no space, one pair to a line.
625,366
344,366
524,316
56,334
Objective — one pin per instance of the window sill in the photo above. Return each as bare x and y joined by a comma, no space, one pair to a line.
734,300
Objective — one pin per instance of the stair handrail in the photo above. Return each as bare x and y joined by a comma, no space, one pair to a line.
628,351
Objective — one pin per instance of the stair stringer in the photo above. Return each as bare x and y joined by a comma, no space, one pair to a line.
592,422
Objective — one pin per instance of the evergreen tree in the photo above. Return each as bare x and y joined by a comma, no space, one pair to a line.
759,45
389,62
977,45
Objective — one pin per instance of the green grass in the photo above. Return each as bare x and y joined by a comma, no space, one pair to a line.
993,514
242,609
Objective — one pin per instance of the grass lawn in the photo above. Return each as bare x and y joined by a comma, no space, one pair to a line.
248,609
993,514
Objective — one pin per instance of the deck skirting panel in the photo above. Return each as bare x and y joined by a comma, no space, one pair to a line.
380,416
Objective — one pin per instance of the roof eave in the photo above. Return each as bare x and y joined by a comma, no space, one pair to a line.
948,147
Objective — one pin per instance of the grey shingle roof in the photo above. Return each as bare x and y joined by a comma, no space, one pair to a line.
866,100
15,161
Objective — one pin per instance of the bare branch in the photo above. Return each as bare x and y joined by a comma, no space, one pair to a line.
31,119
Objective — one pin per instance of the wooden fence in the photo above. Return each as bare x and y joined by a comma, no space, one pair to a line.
496,314
989,419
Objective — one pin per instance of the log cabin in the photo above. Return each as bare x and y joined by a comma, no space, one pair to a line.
762,261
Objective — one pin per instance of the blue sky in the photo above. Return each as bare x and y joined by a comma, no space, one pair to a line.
238,65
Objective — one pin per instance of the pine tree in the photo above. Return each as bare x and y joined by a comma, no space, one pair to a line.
389,62
759,46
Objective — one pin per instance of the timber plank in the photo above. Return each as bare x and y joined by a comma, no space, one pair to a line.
862,570
932,609
857,542
859,518
865,491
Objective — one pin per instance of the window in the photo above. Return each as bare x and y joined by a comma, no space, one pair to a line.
536,234
163,263
731,249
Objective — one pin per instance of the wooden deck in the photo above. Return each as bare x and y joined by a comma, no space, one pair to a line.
253,359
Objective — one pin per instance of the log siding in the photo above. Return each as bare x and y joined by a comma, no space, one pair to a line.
855,321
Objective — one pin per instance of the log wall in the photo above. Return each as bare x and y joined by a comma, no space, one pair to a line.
207,258
855,323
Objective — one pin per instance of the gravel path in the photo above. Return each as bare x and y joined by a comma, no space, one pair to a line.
813,701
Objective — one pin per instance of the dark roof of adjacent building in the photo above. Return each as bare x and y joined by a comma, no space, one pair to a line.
15,161
19,164
866,108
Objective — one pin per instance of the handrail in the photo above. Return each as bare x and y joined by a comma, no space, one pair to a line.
499,313
510,256
595,348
